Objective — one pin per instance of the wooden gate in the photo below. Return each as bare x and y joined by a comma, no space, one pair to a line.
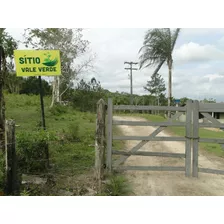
205,110
191,110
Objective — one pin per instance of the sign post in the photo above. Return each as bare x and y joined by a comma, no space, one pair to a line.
42,103
38,63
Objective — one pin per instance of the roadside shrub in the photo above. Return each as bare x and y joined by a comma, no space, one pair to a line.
58,109
32,150
117,186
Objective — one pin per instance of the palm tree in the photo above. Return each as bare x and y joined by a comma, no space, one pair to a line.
157,48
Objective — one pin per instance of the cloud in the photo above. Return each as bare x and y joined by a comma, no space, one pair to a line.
195,32
194,52
198,61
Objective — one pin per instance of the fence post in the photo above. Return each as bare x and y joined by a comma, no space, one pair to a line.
109,134
188,128
195,137
2,100
100,142
11,160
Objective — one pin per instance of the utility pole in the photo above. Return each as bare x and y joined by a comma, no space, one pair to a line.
131,84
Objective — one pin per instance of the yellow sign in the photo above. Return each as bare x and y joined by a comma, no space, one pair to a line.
37,62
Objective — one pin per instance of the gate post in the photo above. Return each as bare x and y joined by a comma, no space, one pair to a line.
188,128
12,182
100,142
109,134
195,137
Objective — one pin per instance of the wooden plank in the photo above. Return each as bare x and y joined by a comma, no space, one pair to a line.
153,168
158,108
188,140
109,134
142,143
211,125
211,107
148,123
195,137
210,118
142,153
212,140
139,145
205,170
148,138
212,110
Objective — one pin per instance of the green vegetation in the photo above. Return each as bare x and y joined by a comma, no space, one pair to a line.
70,139
70,135
117,185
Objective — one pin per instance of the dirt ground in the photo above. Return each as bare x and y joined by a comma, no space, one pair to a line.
162,183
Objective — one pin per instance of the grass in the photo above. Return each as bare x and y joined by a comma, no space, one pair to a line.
117,185
77,154
72,152
215,149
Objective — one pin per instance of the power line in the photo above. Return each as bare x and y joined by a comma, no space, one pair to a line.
131,84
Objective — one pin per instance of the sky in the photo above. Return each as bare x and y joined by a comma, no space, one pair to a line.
198,70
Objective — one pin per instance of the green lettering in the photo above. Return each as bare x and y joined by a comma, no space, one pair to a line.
29,60
37,60
21,61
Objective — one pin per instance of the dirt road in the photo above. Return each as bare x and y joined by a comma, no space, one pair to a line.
161,183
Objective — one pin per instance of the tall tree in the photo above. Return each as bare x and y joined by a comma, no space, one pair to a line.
71,44
7,45
156,86
157,48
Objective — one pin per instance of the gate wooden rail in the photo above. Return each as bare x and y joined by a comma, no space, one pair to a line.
191,139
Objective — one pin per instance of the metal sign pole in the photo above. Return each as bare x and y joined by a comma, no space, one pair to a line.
42,103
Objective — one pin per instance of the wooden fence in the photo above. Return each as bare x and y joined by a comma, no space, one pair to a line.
192,138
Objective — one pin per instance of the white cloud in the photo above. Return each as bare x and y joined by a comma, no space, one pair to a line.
194,52
213,77
200,31
200,79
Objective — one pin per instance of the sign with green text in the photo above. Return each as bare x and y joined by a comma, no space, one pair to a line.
37,62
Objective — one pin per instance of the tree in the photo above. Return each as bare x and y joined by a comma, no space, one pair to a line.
210,100
157,48
30,85
183,101
71,44
87,94
13,84
156,86
8,43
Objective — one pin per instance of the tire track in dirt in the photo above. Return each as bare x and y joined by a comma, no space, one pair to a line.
163,183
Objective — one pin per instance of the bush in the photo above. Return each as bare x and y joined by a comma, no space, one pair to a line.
73,133
117,186
32,151
58,109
